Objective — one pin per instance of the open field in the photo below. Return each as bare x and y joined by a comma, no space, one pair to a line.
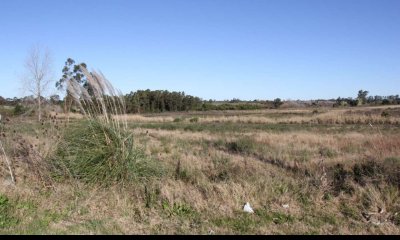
304,171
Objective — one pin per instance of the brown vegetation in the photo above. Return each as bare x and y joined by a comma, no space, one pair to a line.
299,181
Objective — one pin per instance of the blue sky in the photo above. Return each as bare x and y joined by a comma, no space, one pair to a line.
214,49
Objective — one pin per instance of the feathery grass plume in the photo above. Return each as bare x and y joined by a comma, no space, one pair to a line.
100,149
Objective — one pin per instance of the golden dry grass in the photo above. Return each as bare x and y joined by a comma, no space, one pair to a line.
207,183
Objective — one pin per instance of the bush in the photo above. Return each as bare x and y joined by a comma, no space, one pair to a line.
341,180
368,171
243,145
194,120
385,114
277,102
178,119
391,168
101,150
96,153
19,109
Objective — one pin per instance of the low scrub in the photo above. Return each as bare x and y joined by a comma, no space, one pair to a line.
368,172
242,145
96,153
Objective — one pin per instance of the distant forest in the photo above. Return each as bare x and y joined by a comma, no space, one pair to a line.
144,101
148,101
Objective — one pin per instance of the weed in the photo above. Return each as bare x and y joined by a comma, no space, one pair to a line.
194,120
341,180
176,120
242,145
222,171
281,218
180,173
396,219
178,209
304,199
28,207
20,109
6,218
242,223
327,152
391,167
385,114
367,171
349,211
329,219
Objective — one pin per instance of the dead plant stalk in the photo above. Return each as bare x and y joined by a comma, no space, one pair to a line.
7,162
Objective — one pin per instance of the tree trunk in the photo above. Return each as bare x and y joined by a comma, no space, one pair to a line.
39,106
40,110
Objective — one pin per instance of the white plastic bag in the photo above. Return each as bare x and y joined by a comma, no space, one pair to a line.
247,208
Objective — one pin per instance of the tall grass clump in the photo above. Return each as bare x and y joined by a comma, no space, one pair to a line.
100,149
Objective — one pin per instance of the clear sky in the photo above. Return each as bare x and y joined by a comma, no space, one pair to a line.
214,49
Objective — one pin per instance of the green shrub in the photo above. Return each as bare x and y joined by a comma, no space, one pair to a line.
178,119
242,145
385,114
341,180
194,120
368,171
391,168
98,153
19,109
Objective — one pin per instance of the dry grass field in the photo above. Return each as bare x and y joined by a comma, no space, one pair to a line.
303,171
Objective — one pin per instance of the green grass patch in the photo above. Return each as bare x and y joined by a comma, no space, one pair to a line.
178,209
242,145
244,223
223,127
6,213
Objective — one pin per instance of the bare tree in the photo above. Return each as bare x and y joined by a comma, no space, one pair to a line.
38,74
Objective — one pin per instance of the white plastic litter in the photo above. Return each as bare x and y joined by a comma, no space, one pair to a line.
285,205
247,208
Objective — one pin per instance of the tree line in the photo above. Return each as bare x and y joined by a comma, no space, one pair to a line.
143,101
157,101
38,72
363,99
148,101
